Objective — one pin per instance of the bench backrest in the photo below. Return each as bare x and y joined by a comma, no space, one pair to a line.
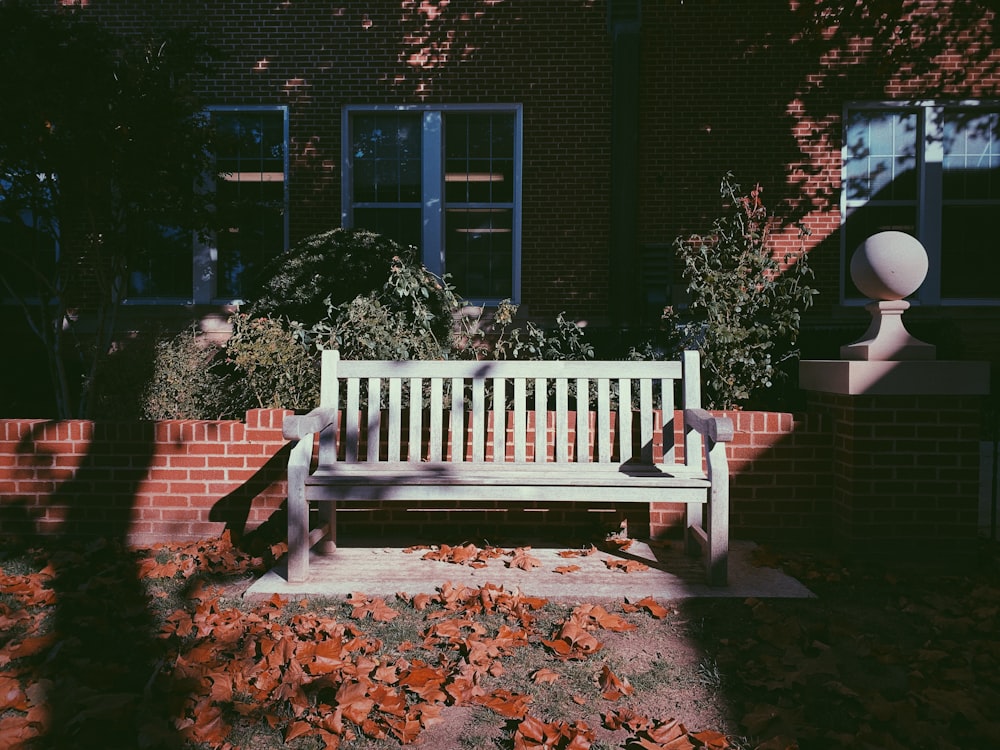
416,410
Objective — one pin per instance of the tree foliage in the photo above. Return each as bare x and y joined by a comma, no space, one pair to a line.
102,144
745,305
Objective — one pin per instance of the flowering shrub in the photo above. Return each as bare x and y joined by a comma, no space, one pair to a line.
746,306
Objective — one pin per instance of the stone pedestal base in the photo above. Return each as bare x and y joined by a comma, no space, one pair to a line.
905,453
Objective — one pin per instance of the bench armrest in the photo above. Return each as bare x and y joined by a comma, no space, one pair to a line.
718,429
297,426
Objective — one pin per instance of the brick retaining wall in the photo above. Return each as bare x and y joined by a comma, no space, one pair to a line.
182,480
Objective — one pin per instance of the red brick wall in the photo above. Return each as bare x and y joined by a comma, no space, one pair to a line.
154,482
906,471
145,482
760,90
315,57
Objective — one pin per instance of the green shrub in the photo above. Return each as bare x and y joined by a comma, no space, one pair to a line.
746,307
412,316
337,265
117,390
189,380
270,368
564,342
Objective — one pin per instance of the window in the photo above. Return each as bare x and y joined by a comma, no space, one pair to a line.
445,180
931,170
250,200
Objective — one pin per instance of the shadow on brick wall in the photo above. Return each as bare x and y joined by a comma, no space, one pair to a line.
101,673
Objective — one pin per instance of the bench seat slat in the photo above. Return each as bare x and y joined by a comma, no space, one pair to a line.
388,472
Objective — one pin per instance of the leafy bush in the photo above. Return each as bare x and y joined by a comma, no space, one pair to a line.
337,266
189,380
117,390
746,307
412,316
271,369
565,342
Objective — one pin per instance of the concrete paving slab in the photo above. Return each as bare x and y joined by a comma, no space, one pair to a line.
386,571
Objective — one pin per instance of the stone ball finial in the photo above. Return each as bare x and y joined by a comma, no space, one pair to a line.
889,265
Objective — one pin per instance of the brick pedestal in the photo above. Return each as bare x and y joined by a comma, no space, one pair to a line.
905,453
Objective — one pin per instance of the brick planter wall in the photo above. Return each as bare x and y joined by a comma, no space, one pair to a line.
180,480
145,482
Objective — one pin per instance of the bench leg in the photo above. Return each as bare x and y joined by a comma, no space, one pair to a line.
298,512
717,549
693,517
328,517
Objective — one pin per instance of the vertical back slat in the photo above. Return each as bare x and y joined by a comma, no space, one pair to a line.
691,399
603,420
624,428
436,406
374,417
499,420
520,420
416,419
669,410
646,419
582,420
541,419
478,420
457,420
329,395
562,420
352,411
395,435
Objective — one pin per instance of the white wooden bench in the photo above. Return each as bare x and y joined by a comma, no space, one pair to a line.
423,430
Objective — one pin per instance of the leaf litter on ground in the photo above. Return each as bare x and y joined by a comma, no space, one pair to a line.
881,659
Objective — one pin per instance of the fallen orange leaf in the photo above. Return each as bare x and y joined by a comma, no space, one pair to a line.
628,566
544,675
650,605
523,560
612,686
563,569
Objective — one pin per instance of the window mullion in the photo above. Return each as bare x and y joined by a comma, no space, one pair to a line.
931,200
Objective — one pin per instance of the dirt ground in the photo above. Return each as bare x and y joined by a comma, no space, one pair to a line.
156,648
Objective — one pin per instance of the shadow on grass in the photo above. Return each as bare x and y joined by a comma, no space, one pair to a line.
100,672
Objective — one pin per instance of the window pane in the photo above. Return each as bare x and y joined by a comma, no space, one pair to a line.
479,158
250,197
881,155
479,251
400,224
27,234
252,217
970,253
251,141
164,264
971,155
386,155
863,222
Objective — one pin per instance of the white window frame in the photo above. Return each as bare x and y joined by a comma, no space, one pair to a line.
205,251
930,197
433,180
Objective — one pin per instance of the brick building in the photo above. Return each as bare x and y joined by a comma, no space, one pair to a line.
552,152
